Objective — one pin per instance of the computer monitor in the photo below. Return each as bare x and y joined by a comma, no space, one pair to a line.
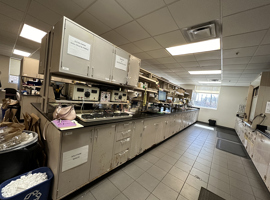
162,96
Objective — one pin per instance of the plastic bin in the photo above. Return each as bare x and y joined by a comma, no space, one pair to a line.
212,122
38,192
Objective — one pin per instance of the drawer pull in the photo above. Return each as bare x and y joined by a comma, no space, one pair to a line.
124,133
124,141
124,152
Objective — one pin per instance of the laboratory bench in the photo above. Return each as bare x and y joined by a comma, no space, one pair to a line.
79,156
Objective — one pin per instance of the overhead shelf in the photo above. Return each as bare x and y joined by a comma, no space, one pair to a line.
146,79
152,91
87,102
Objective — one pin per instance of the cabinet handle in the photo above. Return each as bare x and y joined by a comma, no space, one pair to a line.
96,135
87,70
92,72
126,124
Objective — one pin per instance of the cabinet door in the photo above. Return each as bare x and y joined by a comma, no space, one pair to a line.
76,50
133,71
102,151
72,175
148,136
160,135
120,66
43,54
166,126
136,138
102,60
30,67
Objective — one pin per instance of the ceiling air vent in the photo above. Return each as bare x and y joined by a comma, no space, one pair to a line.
205,31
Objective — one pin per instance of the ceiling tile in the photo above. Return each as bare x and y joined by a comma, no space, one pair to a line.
231,6
189,64
7,38
209,62
170,1
263,50
32,21
11,12
9,25
185,58
44,14
91,23
173,65
115,38
66,8
35,55
230,75
243,40
212,67
151,61
239,52
28,43
147,44
242,84
110,13
139,8
252,20
234,66
258,66
84,3
166,60
160,66
251,72
177,70
237,71
260,59
143,55
24,48
266,39
18,4
158,53
211,55
236,61
130,48
158,22
193,12
132,31
171,39
250,75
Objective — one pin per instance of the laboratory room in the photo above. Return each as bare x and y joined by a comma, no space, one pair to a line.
135,99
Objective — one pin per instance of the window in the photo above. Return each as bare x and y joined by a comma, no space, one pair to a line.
14,70
206,97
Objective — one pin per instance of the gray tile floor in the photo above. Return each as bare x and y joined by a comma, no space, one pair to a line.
177,169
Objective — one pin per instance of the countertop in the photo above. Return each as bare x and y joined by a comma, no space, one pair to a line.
49,116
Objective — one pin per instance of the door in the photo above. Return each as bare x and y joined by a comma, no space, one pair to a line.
148,134
74,173
136,138
76,50
103,141
160,135
133,71
120,66
102,60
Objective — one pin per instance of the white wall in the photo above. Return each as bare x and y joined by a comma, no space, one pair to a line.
4,73
229,99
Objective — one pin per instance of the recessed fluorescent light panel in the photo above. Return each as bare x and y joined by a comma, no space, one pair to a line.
32,33
208,45
209,82
205,72
21,53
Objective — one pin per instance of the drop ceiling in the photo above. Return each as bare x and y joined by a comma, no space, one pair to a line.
146,28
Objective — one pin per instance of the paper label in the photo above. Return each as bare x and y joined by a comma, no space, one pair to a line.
121,63
75,157
267,109
78,48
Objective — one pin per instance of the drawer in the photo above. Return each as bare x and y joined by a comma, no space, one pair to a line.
122,145
123,126
120,158
123,134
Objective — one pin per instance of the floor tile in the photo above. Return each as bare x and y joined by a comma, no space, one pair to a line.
173,182
136,192
163,165
219,192
199,174
259,184
174,155
219,184
87,196
148,181
261,194
163,149
190,156
238,176
204,162
157,172
220,176
121,180
133,171
185,167
195,182
120,197
189,192
241,185
163,192
178,173
143,164
152,197
157,153
169,159
239,194
202,167
180,197
220,169
105,190
150,158
187,160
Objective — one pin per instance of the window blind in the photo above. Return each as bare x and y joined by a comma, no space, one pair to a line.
207,89
14,67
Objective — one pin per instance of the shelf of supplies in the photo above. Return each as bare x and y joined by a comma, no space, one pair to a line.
139,89
178,93
147,79
87,102
152,91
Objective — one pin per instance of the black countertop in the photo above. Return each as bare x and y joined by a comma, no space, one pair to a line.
49,116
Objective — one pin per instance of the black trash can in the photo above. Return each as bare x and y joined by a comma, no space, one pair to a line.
18,160
212,122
